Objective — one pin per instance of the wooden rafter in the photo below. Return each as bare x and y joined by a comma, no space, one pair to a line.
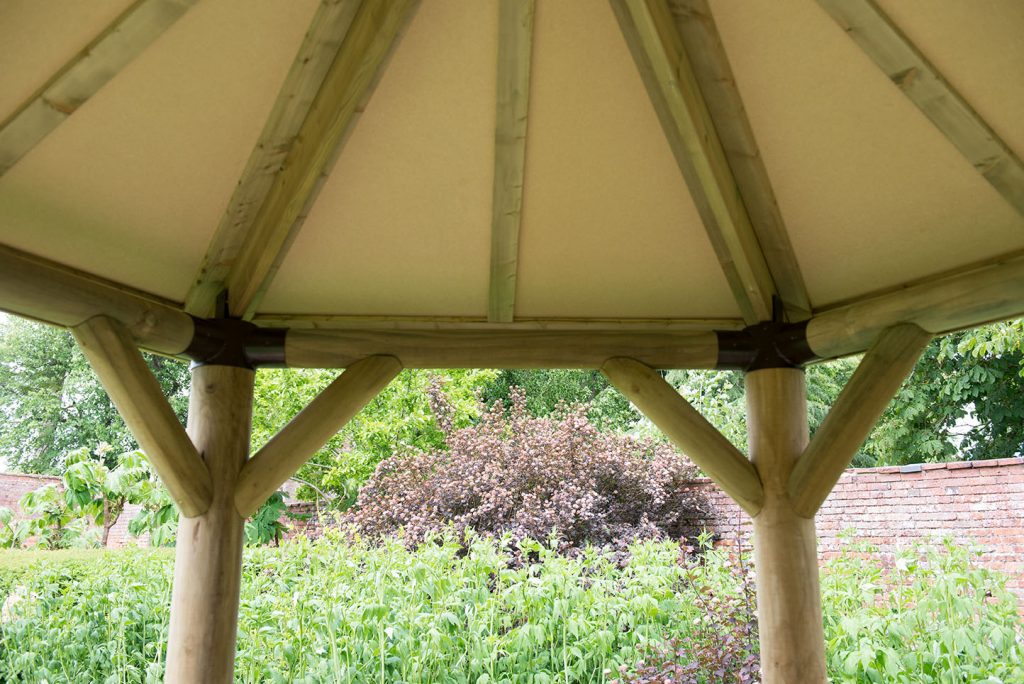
111,352
710,65
873,385
286,451
653,38
515,42
127,37
349,79
318,50
908,68
688,430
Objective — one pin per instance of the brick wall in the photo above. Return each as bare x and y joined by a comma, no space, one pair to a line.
980,502
15,485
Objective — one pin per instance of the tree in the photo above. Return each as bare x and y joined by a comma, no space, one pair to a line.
398,419
547,389
51,403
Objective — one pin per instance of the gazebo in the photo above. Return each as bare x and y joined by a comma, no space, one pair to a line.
630,186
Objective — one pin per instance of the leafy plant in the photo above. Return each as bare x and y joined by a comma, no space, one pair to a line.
517,474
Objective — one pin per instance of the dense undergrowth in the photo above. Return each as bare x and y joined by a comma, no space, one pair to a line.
341,610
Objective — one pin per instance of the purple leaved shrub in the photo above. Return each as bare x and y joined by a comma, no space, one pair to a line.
515,474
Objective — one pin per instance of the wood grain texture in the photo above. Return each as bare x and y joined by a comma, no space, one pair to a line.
208,554
991,292
125,39
688,430
370,38
504,349
515,44
52,293
710,64
297,441
788,595
654,41
111,352
911,72
888,362
319,48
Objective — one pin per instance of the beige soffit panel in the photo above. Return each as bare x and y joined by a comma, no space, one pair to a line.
38,37
132,186
609,229
402,225
979,48
873,194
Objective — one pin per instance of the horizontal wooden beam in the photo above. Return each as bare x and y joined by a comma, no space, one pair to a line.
688,430
111,352
286,451
888,362
319,48
370,38
504,349
515,43
653,39
717,84
918,79
990,292
91,68
478,323
36,288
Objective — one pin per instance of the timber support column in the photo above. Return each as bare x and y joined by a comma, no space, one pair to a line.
785,547
208,560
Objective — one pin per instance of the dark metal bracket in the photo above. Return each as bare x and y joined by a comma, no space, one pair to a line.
237,343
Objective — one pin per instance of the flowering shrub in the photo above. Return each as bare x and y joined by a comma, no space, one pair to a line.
525,476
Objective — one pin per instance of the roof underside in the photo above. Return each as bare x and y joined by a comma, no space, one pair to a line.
135,182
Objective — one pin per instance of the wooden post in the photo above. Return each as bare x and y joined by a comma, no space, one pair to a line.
785,555
208,562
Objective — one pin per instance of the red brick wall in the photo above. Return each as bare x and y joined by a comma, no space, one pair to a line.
980,502
15,485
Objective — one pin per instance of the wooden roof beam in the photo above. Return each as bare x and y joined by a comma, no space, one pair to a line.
36,288
653,38
714,75
96,64
318,50
346,85
515,42
894,53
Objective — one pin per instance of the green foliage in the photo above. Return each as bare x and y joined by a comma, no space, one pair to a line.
399,420
265,526
546,390
960,402
933,617
340,610
51,402
13,531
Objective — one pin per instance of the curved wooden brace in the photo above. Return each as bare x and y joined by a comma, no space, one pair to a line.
874,384
112,354
309,431
688,430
